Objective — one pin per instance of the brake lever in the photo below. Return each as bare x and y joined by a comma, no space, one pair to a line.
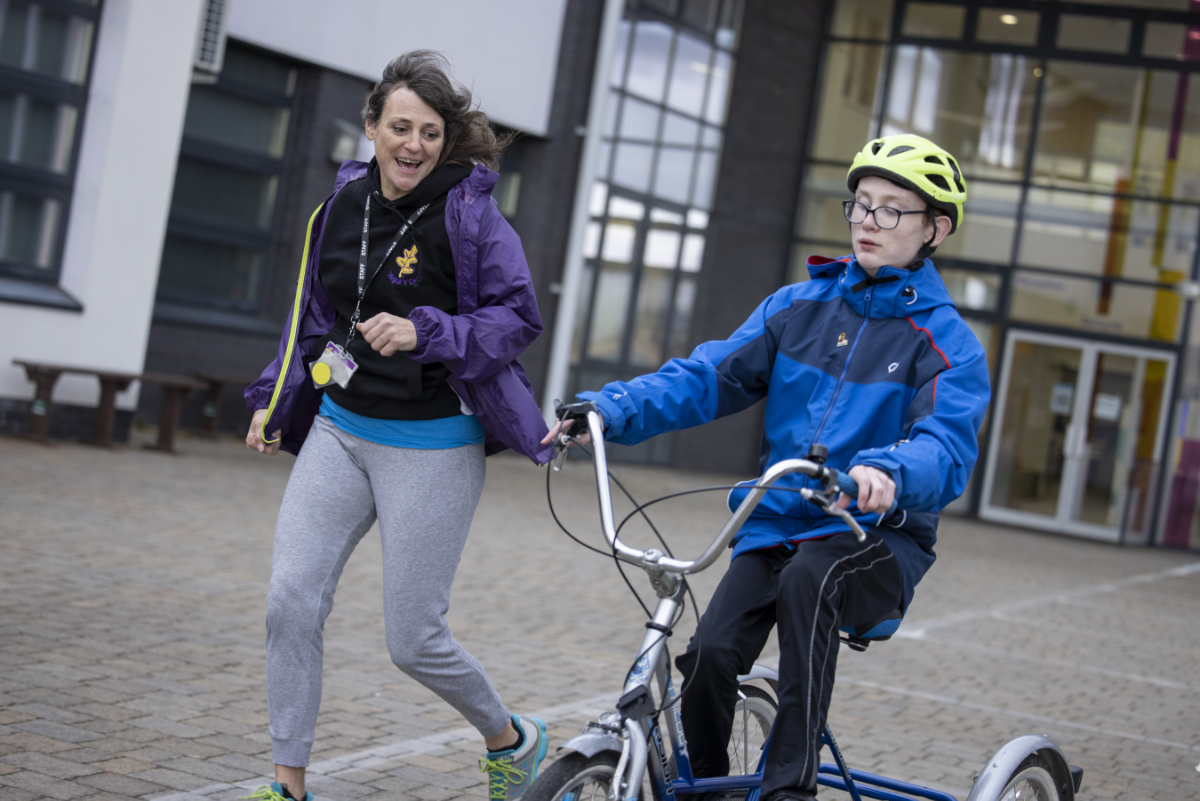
827,501
561,443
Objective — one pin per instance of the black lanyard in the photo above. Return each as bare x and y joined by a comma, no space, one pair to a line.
363,281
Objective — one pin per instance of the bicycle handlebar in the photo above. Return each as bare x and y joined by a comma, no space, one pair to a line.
653,558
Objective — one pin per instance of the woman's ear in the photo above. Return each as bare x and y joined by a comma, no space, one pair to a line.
942,227
369,127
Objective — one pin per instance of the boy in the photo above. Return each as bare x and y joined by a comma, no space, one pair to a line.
870,359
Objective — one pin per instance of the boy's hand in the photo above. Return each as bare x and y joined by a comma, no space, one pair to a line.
876,490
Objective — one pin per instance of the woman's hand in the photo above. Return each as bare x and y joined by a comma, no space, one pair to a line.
876,490
388,333
564,427
255,442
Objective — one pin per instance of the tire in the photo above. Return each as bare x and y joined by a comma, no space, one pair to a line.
575,777
753,718
1033,780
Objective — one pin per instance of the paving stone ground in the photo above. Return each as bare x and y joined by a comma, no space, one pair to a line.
132,599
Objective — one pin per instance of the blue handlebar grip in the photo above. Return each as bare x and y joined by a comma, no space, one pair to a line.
850,487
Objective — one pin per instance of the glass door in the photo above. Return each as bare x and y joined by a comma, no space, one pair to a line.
1081,427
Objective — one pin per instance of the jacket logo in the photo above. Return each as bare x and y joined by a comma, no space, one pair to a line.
405,263
892,367
842,341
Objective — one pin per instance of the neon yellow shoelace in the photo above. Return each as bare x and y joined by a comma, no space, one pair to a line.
500,774
264,793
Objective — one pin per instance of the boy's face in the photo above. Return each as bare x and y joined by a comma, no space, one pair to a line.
875,247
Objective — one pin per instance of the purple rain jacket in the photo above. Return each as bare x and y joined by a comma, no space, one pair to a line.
497,319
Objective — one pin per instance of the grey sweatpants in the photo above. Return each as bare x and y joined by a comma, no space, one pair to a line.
424,501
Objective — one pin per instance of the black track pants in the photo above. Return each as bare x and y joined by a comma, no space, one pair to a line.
810,593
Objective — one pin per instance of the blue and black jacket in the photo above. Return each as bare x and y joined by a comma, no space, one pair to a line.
883,372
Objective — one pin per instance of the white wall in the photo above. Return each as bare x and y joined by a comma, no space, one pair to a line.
506,51
123,183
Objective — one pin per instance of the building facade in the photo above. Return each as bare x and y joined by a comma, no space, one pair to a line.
724,132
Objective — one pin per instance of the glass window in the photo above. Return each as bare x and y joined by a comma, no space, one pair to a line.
845,116
252,68
706,179
972,290
1084,140
223,204
28,229
223,193
1085,304
648,60
976,105
631,168
1013,26
1164,40
718,88
689,73
44,56
989,224
45,41
821,215
679,130
933,20
37,133
862,19
639,120
1103,235
197,270
1099,34
673,178
236,121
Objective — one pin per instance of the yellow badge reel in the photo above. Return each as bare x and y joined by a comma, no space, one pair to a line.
321,374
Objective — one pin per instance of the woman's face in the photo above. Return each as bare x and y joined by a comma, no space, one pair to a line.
408,140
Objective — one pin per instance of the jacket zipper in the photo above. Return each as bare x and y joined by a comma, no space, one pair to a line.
845,367
294,335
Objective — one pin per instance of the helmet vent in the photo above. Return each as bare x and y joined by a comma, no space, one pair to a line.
934,160
896,151
876,146
938,181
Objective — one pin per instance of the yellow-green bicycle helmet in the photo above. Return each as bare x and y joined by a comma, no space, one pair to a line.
915,163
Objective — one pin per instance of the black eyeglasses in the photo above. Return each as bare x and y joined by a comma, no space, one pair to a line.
885,216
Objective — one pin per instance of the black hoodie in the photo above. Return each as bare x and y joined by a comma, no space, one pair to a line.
419,272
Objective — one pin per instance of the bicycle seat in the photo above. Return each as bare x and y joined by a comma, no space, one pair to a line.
859,637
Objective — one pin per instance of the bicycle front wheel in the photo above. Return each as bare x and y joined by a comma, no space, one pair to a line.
753,718
575,777
1031,781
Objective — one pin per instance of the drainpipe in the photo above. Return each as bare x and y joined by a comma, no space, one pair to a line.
572,277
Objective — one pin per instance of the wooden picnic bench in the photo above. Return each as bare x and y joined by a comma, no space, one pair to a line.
175,389
216,383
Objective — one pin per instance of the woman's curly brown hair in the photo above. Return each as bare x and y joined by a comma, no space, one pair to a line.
469,138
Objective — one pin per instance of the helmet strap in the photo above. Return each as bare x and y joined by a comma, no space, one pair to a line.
928,248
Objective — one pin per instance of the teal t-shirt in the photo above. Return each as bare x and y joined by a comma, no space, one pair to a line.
443,432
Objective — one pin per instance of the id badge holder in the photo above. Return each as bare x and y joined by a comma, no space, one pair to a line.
335,366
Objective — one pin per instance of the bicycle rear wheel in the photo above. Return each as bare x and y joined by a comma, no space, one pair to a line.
753,718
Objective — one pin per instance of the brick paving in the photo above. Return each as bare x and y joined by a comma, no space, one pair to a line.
132,598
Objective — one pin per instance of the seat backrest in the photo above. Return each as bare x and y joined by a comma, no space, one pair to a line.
881,629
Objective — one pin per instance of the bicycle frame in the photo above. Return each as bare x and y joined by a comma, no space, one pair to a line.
634,729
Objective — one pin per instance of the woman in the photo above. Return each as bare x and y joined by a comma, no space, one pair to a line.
397,373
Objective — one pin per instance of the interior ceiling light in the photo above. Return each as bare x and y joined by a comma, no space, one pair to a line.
1008,19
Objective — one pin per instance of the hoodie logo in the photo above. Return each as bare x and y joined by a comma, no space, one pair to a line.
405,263
842,341
892,367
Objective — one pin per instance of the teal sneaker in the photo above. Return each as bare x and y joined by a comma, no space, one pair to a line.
275,792
511,771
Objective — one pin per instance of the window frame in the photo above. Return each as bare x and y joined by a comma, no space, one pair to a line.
22,282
